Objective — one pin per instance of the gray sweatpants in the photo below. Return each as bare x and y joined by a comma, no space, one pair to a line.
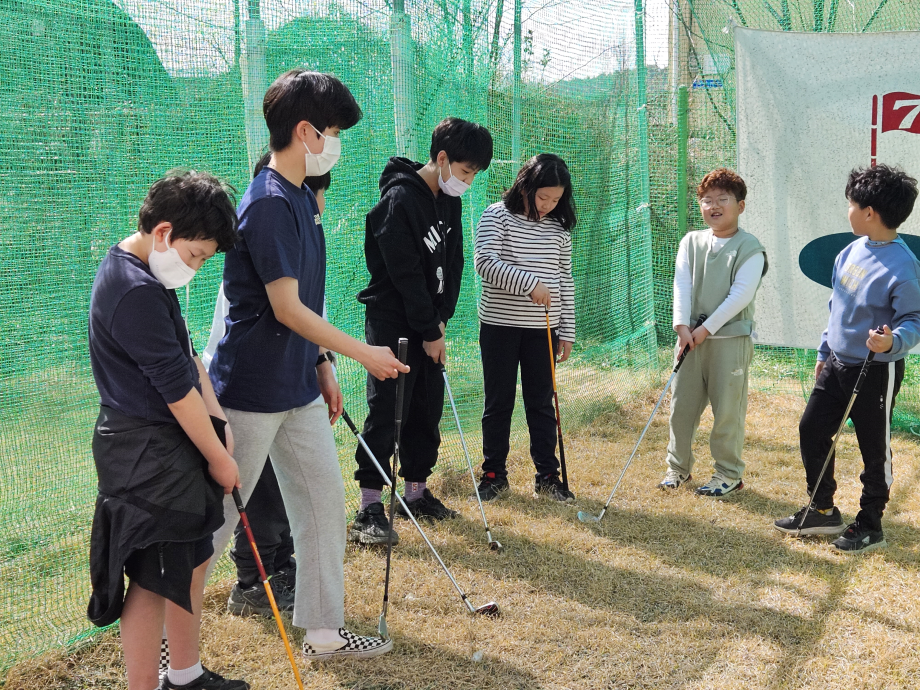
303,454
716,371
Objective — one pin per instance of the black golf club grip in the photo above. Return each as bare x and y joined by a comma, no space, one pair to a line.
871,356
680,359
238,500
347,419
402,354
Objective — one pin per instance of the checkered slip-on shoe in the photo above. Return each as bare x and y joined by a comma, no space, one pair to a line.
355,647
164,657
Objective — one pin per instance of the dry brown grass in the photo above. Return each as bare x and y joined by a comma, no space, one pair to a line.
670,591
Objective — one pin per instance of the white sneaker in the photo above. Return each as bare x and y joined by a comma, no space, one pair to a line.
719,486
673,479
355,647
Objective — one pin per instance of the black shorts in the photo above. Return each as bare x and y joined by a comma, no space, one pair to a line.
165,568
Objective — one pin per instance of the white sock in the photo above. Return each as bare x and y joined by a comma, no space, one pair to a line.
324,639
185,676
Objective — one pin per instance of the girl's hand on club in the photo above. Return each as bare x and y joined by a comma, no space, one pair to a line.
565,349
436,349
541,295
880,342
819,367
381,364
684,338
699,335
330,390
226,473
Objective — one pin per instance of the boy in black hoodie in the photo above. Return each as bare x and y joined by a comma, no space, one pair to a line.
414,250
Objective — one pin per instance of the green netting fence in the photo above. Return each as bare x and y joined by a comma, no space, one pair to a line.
100,97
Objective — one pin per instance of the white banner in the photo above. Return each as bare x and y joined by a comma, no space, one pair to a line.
810,108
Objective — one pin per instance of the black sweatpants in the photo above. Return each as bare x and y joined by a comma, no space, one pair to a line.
270,527
871,415
422,408
503,350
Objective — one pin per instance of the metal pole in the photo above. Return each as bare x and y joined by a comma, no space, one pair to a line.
254,77
516,91
675,60
403,80
683,132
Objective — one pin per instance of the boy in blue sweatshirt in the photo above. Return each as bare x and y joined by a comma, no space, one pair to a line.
876,283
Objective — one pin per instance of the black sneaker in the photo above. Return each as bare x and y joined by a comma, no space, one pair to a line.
550,485
284,583
206,681
427,506
253,600
491,486
858,539
815,522
371,526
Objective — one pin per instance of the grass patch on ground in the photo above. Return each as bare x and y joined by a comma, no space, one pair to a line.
669,591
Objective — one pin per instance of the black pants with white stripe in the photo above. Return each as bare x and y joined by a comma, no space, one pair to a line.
504,348
871,415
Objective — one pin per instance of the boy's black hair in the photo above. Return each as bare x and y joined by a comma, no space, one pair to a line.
298,95
314,184
543,170
198,205
463,142
890,192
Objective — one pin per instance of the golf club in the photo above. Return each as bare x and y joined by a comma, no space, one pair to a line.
268,588
588,517
493,544
490,609
400,395
859,382
552,365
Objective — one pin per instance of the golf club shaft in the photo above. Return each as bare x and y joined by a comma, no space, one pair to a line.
859,382
399,498
403,349
268,588
552,364
680,360
469,462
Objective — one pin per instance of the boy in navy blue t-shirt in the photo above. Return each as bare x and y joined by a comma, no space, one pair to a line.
271,371
876,282
162,467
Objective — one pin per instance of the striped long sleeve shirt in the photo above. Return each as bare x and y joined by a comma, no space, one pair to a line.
511,255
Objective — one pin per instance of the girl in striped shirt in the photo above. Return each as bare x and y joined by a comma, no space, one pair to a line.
523,253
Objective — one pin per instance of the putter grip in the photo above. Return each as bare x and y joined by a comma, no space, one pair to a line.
680,358
351,424
238,500
402,353
881,331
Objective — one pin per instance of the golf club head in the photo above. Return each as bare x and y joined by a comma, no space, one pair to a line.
496,546
382,628
490,609
587,517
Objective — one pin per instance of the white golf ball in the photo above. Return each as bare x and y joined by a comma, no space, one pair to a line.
477,656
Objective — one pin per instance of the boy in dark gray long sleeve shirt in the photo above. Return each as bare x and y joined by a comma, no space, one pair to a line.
876,283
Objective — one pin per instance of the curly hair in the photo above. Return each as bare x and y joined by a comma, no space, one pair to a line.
723,178
890,192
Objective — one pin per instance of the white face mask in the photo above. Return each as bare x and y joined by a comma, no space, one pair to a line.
453,186
321,163
168,267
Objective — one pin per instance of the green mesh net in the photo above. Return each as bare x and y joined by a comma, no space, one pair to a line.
100,98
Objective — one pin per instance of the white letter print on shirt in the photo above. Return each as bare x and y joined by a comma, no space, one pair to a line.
432,239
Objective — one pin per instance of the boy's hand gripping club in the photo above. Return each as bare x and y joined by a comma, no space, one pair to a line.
268,588
588,517
846,415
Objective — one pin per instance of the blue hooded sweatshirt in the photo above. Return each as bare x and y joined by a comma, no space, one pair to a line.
875,284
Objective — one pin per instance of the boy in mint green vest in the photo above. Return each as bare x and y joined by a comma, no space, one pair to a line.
717,274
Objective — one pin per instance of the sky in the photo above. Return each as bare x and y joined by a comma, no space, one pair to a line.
195,37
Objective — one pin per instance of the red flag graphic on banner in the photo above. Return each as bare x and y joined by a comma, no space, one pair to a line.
901,112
